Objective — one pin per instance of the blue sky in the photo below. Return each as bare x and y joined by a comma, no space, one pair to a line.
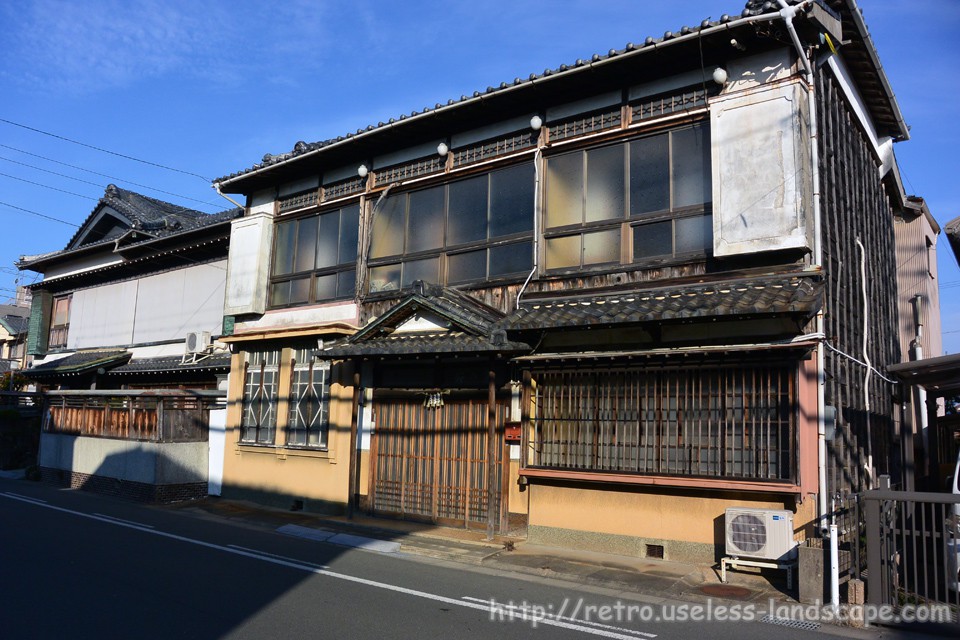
210,87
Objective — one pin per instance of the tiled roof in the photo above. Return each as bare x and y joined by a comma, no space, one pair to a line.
439,343
751,9
743,298
172,364
15,325
79,362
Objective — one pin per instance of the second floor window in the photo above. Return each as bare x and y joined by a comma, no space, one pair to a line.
473,230
59,322
314,258
636,201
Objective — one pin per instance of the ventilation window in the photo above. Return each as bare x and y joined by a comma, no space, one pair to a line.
655,551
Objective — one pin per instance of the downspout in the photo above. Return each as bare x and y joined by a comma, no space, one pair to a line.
917,348
216,186
866,358
537,158
788,12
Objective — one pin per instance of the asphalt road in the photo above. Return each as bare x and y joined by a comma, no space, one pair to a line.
76,565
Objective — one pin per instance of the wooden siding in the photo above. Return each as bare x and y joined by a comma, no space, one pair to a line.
917,275
854,205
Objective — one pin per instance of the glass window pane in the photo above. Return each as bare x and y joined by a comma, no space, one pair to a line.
649,175
329,241
427,270
467,217
349,231
691,167
605,183
653,240
388,226
562,252
385,278
325,287
511,258
347,283
694,234
280,294
425,222
462,267
283,248
601,246
511,200
300,291
306,244
564,201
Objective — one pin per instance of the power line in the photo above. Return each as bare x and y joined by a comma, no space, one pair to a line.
102,150
42,215
96,173
46,186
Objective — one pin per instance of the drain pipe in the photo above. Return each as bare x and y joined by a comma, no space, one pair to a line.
788,12
216,186
537,157
866,358
917,348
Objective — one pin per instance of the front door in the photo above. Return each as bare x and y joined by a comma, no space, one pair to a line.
432,463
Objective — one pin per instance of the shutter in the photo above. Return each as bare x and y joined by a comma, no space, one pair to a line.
38,332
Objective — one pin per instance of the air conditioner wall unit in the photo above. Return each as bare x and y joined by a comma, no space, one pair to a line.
759,533
197,341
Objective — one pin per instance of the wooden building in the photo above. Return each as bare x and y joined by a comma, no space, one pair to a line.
597,304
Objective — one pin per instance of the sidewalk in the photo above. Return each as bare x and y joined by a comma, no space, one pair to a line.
656,580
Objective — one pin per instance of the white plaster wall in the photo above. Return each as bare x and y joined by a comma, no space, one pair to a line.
103,316
305,317
172,304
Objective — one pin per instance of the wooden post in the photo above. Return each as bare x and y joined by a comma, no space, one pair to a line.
492,515
354,454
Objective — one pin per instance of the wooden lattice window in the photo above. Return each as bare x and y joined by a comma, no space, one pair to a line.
260,392
309,414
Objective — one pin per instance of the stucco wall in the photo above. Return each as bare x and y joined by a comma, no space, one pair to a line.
624,520
146,462
279,475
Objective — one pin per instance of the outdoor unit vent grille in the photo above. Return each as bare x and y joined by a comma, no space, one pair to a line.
759,533
197,341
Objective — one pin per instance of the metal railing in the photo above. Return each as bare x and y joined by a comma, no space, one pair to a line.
913,548
158,416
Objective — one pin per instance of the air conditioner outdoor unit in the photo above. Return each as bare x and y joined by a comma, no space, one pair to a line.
197,341
760,533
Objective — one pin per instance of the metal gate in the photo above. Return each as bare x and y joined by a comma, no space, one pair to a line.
913,549
432,464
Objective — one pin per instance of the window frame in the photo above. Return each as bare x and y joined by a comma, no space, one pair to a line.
266,419
62,328
449,249
303,361
312,275
627,221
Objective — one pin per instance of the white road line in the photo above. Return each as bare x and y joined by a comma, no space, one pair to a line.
324,572
521,611
25,498
103,515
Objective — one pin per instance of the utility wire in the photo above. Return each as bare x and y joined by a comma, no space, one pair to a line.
46,186
102,150
35,213
97,173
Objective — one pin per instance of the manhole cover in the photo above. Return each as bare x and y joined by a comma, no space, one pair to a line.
726,591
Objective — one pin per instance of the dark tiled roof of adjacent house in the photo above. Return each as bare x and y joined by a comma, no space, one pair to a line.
952,230
173,364
15,325
800,295
880,98
79,362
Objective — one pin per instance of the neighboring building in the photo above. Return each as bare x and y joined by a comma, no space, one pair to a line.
916,234
14,322
605,302
122,332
